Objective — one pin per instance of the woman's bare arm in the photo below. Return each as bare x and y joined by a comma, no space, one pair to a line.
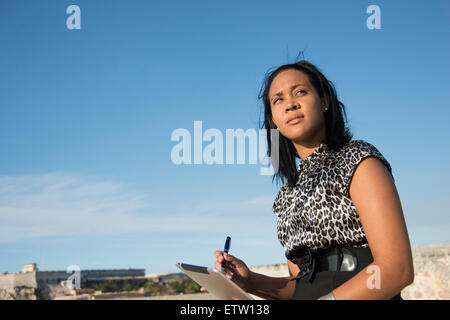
376,200
271,287
274,288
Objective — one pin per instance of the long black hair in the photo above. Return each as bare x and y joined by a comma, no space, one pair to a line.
337,133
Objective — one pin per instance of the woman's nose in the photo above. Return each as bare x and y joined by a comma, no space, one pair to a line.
291,105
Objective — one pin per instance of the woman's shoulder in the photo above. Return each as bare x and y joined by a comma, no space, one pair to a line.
358,146
346,160
354,151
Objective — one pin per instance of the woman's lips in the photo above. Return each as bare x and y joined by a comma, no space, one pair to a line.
295,120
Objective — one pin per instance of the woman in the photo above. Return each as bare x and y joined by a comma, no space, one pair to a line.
339,216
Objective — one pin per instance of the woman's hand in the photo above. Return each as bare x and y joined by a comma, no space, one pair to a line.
234,268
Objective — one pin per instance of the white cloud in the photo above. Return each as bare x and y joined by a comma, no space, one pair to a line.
56,204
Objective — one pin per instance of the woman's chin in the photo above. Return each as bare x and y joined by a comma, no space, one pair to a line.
295,135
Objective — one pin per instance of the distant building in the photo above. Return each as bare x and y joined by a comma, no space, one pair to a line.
51,283
88,277
29,267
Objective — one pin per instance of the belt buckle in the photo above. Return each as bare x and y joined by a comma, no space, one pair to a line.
349,261
333,260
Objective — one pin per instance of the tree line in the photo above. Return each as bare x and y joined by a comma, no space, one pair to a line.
150,287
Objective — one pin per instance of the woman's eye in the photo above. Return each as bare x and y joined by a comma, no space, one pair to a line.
300,91
276,100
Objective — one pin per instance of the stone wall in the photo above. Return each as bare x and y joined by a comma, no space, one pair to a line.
18,286
47,284
18,279
432,273
7,280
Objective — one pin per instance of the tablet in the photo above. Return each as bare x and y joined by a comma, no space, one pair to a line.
215,282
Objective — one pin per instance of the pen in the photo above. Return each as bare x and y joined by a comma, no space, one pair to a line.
226,249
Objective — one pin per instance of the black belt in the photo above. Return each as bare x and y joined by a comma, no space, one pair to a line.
331,259
337,259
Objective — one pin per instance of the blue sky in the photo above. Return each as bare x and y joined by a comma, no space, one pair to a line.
86,117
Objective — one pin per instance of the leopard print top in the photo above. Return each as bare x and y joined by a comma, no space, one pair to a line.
318,212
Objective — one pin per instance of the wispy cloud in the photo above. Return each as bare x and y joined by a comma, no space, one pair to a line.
56,204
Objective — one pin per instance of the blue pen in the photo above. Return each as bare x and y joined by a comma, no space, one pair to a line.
225,249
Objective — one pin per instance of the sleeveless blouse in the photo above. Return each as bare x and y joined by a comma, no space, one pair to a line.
317,212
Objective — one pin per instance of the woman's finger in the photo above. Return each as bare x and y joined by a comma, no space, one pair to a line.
229,274
229,257
218,266
232,260
232,266
218,254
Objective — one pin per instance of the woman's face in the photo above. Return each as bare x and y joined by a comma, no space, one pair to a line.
297,109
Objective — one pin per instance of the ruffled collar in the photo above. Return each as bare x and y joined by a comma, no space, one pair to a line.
316,155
